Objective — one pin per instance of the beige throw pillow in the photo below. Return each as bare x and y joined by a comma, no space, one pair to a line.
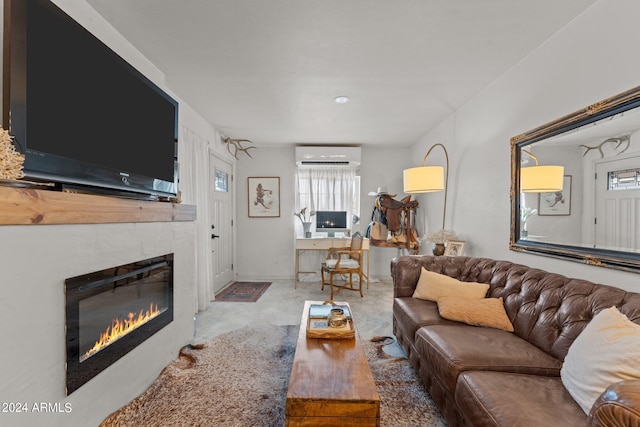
606,351
433,286
488,312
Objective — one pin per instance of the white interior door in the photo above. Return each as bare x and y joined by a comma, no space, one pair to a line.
221,213
617,223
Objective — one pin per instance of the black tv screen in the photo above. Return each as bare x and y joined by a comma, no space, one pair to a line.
81,114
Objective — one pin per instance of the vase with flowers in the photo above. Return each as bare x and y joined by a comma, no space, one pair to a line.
439,239
305,220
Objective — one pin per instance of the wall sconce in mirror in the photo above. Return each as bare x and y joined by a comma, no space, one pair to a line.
428,179
540,179
597,158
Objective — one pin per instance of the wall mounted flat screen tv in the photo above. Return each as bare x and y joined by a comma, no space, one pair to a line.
82,115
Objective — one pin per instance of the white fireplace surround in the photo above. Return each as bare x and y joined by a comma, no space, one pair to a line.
36,260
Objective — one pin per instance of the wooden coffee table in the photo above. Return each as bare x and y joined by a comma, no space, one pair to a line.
331,383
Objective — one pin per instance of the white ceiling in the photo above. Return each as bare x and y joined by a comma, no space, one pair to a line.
269,70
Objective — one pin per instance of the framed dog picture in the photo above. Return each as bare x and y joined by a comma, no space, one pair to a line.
264,196
454,248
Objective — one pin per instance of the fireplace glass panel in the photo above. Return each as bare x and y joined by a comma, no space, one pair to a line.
112,311
120,310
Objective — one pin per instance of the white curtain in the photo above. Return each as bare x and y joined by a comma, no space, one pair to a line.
330,189
318,189
193,152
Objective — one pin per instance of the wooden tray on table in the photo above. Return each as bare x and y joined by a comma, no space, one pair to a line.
317,324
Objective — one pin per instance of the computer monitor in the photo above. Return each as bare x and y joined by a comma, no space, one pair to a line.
331,222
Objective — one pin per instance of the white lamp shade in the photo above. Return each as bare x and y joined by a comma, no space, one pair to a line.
423,179
541,179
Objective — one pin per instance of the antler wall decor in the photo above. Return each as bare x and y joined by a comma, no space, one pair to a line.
236,145
617,140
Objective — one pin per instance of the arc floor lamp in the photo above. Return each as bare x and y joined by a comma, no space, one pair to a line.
428,179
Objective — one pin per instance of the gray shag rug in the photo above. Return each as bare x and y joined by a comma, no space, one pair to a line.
241,378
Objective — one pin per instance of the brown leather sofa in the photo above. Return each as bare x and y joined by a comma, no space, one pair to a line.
480,376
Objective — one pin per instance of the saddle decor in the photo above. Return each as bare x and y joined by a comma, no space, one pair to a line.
395,219
379,231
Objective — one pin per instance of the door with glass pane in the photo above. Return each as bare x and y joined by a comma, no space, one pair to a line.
221,213
617,221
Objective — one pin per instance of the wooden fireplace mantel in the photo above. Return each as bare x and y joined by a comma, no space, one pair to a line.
22,206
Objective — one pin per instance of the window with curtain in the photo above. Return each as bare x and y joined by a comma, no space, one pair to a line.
327,189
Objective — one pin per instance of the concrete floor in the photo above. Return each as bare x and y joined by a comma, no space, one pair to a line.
281,304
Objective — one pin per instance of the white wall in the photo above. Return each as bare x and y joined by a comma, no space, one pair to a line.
587,61
266,245
35,261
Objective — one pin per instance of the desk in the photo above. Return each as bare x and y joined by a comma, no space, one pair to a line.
323,244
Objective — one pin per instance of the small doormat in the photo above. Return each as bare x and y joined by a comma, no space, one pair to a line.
242,292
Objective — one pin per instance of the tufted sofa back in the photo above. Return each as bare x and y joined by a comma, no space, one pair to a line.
547,309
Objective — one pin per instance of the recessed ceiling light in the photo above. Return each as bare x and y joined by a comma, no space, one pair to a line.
341,99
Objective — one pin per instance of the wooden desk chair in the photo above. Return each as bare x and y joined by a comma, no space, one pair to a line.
346,260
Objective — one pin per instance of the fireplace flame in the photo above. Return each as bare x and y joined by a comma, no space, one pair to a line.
121,327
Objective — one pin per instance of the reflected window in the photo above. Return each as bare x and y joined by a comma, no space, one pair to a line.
221,181
628,179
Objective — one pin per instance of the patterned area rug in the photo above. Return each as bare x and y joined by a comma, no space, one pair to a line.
241,378
242,292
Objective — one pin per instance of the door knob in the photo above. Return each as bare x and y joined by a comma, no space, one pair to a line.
213,236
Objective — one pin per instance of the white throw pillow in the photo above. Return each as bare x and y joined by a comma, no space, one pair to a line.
433,286
606,351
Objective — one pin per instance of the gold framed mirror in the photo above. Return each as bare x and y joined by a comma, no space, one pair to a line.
593,216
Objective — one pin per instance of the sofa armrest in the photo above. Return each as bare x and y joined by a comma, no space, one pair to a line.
617,406
405,272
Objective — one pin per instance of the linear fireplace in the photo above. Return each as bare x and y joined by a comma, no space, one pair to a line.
110,312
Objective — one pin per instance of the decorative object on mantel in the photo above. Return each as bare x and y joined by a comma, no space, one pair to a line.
306,221
237,146
440,238
11,162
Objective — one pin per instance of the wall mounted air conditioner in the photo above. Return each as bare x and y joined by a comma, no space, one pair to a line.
328,156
